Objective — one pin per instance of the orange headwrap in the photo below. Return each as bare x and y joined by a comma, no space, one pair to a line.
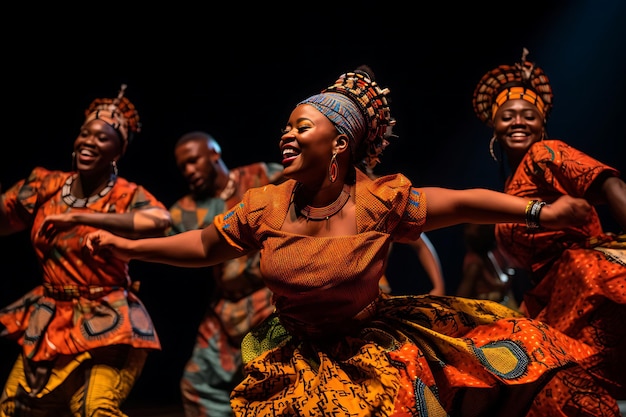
118,112
523,80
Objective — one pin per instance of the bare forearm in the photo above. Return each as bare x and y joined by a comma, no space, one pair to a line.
448,207
140,223
184,249
194,248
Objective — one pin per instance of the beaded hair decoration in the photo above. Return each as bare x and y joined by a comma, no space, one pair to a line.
523,80
118,112
374,126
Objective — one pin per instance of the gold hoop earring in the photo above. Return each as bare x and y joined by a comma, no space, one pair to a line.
114,165
73,161
333,168
491,144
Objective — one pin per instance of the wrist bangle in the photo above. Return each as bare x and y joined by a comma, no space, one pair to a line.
533,209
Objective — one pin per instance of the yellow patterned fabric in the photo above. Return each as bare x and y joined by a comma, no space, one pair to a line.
337,346
78,385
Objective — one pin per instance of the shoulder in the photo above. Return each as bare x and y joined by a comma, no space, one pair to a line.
41,173
135,194
267,195
550,149
122,184
263,206
47,181
185,202
40,185
557,152
389,201
387,188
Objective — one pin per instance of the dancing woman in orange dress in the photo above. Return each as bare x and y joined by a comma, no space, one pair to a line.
335,344
84,332
578,273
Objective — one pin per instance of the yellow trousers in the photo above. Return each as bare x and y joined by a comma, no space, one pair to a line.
87,385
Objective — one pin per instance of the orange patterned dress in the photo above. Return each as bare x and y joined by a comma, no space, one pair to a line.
337,346
578,273
84,302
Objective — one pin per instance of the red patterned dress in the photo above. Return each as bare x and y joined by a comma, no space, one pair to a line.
337,346
578,273
84,302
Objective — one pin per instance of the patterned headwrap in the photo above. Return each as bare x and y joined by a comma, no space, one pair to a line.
119,113
358,108
523,80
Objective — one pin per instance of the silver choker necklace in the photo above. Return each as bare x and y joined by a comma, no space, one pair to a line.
70,200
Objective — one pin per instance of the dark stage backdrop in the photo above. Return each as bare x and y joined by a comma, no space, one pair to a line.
237,76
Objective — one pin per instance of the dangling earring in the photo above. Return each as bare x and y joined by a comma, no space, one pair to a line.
114,165
491,143
333,168
73,161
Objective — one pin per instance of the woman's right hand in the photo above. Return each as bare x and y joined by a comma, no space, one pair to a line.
103,243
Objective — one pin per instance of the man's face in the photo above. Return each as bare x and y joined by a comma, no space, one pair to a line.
196,162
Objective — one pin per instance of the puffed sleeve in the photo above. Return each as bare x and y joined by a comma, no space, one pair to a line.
241,225
564,167
390,204
22,199
144,199
413,217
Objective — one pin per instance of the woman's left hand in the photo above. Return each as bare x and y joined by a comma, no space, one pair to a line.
566,211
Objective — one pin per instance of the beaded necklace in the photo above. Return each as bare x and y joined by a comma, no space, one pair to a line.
325,213
70,200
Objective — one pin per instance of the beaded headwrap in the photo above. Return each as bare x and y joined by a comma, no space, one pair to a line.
523,80
118,112
358,108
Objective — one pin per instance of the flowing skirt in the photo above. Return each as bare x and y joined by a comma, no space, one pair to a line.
419,356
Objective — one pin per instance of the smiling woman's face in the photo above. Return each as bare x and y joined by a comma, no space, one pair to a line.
96,147
307,144
517,125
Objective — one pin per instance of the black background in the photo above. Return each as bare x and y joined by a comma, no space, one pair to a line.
236,71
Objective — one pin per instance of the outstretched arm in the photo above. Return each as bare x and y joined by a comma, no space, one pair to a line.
195,248
448,207
138,223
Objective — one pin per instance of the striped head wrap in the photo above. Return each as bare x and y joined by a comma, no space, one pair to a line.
343,112
358,108
119,113
523,80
